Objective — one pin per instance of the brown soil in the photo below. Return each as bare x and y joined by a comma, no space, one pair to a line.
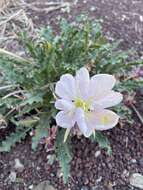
88,172
122,20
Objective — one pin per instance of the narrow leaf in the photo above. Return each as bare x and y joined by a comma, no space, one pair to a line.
63,154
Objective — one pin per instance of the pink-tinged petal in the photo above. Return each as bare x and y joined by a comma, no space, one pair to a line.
110,99
65,119
65,87
82,83
104,119
100,85
82,124
64,105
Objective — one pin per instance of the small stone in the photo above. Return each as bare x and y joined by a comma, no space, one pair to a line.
38,168
12,176
59,173
18,165
97,153
141,18
44,186
99,179
31,186
52,174
86,181
51,159
136,180
125,174
133,161
92,9
124,17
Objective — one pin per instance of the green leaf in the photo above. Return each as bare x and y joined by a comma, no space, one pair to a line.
27,122
14,138
40,131
102,141
33,98
63,154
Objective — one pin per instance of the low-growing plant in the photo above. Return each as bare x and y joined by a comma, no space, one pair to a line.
27,94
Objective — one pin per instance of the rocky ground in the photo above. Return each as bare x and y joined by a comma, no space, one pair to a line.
92,168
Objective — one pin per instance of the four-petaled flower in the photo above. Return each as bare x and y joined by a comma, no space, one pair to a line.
83,101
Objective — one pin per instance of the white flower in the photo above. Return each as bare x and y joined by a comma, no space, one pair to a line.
83,101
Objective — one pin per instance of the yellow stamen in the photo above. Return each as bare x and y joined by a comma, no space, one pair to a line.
79,103
49,45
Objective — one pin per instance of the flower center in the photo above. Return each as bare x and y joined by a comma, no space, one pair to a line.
79,103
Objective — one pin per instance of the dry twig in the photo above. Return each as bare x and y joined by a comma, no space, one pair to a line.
137,113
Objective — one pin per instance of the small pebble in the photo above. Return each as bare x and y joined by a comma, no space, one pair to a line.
124,17
31,186
44,186
133,161
92,9
97,153
126,173
141,18
18,165
136,180
12,176
59,173
99,179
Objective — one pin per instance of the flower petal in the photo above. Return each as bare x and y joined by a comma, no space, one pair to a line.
82,83
110,99
81,122
100,85
65,88
64,105
65,119
105,119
